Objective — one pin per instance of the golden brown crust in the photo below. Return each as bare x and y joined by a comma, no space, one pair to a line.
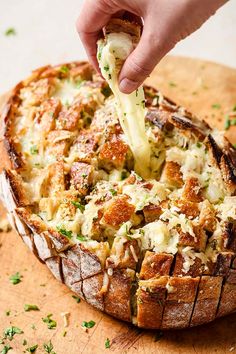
118,25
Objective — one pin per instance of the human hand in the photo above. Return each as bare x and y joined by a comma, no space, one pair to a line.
165,24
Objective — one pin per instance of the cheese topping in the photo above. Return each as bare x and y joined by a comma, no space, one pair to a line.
130,107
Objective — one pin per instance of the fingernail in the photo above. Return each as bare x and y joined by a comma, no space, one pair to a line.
128,86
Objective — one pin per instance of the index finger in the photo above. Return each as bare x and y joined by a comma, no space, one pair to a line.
93,17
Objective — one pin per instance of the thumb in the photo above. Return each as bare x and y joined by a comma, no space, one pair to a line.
143,60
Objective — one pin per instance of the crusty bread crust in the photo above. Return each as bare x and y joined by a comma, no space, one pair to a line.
161,296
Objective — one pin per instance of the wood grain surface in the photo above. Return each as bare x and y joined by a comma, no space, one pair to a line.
206,89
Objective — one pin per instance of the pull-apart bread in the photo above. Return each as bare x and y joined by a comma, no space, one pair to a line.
156,250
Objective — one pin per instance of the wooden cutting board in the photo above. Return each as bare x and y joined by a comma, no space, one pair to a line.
207,89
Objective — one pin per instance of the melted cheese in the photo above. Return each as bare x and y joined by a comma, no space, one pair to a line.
131,107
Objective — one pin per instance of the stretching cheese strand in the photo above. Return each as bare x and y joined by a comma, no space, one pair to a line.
130,108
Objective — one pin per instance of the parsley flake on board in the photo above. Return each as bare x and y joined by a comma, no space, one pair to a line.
227,123
11,331
172,84
15,278
28,307
48,347
8,312
6,349
77,298
50,322
107,343
89,324
216,106
32,349
10,31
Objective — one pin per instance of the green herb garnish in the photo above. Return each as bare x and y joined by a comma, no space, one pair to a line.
172,84
32,349
106,67
216,106
113,191
227,123
81,207
49,321
89,324
11,331
199,144
80,237
8,312
49,347
34,150
10,31
64,69
107,343
6,349
77,298
15,278
64,232
28,307
234,108
24,342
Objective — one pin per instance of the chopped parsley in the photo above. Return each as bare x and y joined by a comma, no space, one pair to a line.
28,307
234,145
77,298
80,237
79,83
24,342
227,123
89,324
199,144
106,67
10,31
64,232
6,349
34,150
216,106
8,312
32,349
234,108
15,278
64,69
172,84
107,343
81,207
11,331
50,322
113,192
48,347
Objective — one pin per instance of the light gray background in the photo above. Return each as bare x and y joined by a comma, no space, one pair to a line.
46,34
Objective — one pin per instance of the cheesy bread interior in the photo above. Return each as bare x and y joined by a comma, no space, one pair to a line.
75,173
